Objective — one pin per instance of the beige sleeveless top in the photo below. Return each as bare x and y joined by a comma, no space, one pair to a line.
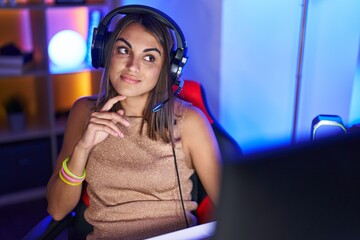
132,184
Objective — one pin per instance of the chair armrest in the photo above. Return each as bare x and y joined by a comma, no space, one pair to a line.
48,228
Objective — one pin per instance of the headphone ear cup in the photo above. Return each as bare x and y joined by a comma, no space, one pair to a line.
98,47
178,61
95,48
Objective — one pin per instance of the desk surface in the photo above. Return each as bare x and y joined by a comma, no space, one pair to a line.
198,232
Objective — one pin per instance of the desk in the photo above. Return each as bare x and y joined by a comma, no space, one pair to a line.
198,232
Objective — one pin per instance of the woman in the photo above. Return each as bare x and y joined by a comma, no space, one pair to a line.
138,163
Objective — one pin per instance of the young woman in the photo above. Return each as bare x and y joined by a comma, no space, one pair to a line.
133,159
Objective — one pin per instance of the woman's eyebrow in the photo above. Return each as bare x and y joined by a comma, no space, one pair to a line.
152,49
130,46
124,41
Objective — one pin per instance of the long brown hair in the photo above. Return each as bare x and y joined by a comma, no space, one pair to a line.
159,124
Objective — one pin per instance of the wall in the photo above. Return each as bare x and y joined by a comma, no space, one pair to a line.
258,68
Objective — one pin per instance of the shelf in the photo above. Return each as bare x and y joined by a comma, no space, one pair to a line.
8,136
83,68
47,91
44,6
35,72
22,196
21,6
74,5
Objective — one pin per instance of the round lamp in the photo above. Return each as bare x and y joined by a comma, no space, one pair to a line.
67,49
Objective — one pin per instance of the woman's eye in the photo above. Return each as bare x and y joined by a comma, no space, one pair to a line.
149,58
123,50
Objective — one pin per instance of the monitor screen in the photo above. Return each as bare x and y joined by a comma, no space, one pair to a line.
308,191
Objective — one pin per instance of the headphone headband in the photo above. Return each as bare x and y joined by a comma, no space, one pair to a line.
101,33
159,15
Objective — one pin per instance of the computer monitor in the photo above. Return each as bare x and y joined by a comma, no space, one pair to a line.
308,191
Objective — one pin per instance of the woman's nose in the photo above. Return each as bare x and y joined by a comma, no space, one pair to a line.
134,64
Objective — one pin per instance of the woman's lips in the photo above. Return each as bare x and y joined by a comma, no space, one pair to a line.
129,79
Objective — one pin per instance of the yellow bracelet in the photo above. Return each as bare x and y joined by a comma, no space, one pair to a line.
67,182
66,169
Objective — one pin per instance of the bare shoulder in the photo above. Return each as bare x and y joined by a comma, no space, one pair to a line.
194,115
83,105
196,126
81,109
189,112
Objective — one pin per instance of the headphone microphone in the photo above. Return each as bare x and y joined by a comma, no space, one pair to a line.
159,106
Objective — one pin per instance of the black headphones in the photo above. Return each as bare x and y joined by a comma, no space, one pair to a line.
101,34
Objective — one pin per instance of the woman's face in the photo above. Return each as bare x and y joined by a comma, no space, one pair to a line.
136,62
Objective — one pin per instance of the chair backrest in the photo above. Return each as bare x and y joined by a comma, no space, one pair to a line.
194,93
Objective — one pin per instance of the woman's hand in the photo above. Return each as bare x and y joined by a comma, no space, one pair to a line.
102,124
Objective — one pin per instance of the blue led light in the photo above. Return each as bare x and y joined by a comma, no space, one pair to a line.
95,17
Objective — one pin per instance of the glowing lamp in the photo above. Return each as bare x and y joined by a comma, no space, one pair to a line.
67,49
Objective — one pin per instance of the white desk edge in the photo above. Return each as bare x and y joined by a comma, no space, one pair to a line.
192,233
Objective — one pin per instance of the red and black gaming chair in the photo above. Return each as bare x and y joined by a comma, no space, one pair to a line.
75,224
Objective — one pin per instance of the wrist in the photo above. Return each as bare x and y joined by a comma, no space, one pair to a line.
82,149
77,160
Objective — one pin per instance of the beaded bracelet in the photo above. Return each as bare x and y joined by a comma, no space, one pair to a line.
66,169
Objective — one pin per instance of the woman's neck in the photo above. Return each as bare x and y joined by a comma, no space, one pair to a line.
133,108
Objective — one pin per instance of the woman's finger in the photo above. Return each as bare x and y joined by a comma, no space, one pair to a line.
115,117
110,103
99,125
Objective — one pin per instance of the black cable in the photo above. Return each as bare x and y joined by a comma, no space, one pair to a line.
178,179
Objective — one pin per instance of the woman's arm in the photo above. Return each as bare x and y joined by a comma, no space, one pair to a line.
62,198
200,142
